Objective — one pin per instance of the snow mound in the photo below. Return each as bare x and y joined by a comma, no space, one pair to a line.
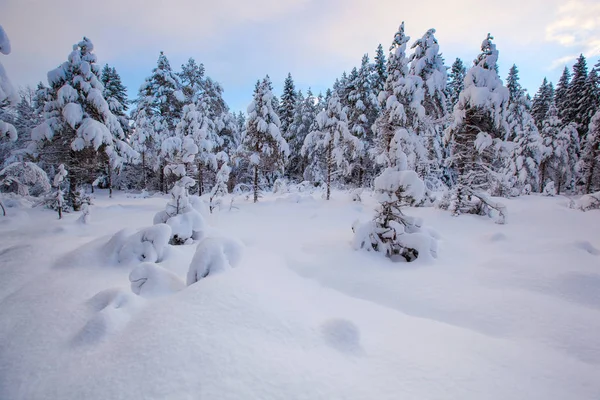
588,247
148,244
214,255
589,202
113,309
152,280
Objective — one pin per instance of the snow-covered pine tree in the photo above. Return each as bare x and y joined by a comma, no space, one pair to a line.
541,101
555,159
427,63
115,94
591,96
477,132
456,79
331,143
304,119
379,71
265,148
362,111
577,108
8,95
392,232
589,163
220,188
395,139
287,105
192,80
560,95
78,122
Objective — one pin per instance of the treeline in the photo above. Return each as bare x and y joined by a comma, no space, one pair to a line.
460,128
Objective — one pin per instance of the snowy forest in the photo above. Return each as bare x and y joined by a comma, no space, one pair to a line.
425,228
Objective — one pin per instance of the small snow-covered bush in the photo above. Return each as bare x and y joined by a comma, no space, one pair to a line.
589,202
463,200
148,244
392,232
26,178
549,189
214,255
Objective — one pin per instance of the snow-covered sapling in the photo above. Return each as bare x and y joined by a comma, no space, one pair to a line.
220,188
549,189
392,232
57,201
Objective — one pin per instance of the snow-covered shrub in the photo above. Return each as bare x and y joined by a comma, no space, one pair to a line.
280,186
589,202
392,232
30,179
56,201
464,200
150,280
220,188
183,226
85,214
148,244
355,195
526,190
549,189
214,255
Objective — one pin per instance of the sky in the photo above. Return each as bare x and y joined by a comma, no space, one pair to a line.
315,40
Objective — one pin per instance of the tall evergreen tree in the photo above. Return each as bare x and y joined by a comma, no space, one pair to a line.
554,160
265,148
115,94
379,70
541,102
332,145
8,95
287,105
577,107
560,95
78,122
456,80
304,120
192,80
477,131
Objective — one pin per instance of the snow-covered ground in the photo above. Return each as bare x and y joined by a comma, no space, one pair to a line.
505,312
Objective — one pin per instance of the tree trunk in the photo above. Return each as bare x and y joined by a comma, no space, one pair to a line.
162,179
144,169
329,162
73,193
588,183
109,177
255,183
542,176
200,180
3,209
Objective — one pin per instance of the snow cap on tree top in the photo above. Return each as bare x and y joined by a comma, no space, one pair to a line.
4,42
489,55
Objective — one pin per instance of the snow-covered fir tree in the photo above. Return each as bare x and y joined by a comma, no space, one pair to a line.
560,94
427,63
477,132
577,107
541,101
287,106
265,148
220,188
362,110
331,146
78,123
379,71
192,80
115,94
456,79
304,120
555,158
400,104
589,163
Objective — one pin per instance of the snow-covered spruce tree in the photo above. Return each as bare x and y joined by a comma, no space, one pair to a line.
401,104
195,124
525,146
115,94
589,163
264,147
8,95
577,107
560,95
476,134
220,188
332,144
427,63
287,106
192,80
78,123
554,161
57,201
392,232
304,119
362,111
541,101
379,71
456,79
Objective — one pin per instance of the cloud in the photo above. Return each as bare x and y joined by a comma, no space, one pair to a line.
576,26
